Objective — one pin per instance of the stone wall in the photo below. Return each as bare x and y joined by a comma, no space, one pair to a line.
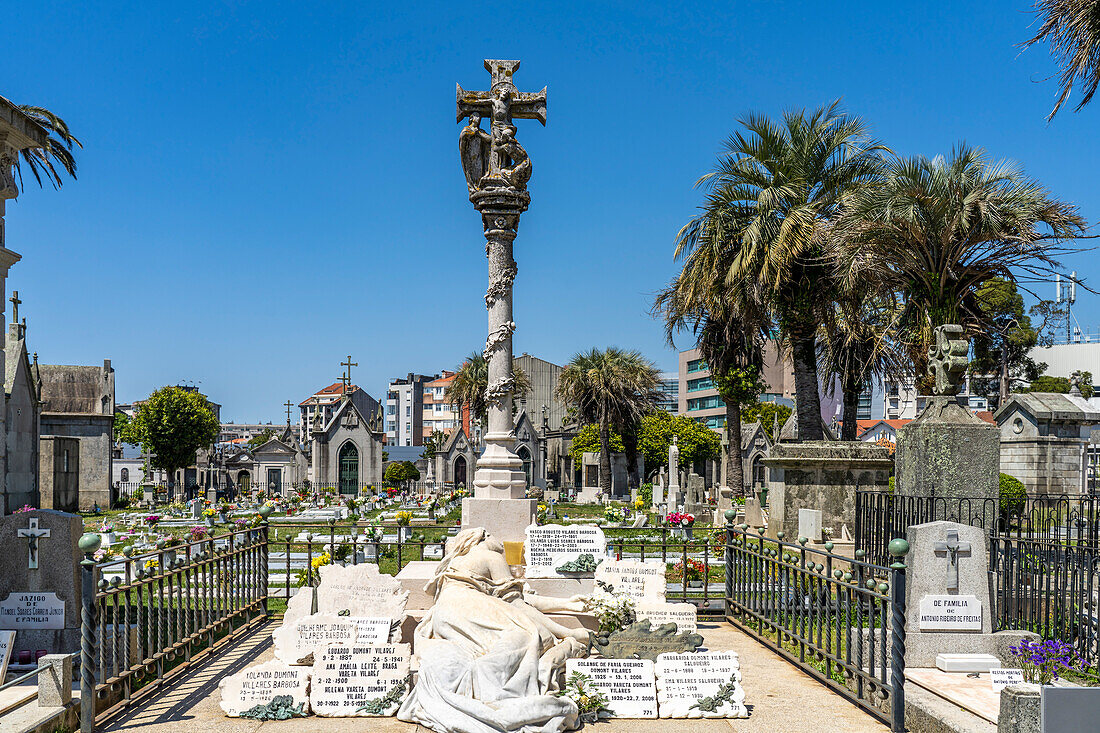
95,435
59,473
1046,464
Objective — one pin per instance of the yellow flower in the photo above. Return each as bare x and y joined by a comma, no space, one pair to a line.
323,559
639,503
151,564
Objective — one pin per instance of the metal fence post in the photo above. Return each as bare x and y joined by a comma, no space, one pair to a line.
88,544
898,548
265,528
727,604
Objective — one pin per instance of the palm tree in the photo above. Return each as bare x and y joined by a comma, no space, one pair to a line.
614,387
937,229
729,327
770,196
471,380
58,150
1072,27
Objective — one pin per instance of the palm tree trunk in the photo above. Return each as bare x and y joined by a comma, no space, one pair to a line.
804,355
735,469
605,450
852,388
630,446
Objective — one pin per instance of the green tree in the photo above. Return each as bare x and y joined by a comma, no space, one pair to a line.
260,438
57,153
771,415
611,388
172,425
695,441
775,189
124,430
400,472
1062,385
434,443
1001,353
587,440
471,381
1072,28
935,230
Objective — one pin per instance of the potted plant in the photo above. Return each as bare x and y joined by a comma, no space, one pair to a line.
614,515
107,533
403,518
692,571
588,699
686,522
208,515
152,520
672,519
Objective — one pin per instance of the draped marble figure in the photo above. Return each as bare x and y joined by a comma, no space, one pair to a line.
489,655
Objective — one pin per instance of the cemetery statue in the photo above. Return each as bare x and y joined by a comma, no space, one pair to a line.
519,172
947,359
489,655
473,149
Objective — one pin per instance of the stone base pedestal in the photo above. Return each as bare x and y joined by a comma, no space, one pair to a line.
505,519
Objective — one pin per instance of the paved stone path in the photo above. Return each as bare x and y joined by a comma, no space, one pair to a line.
779,698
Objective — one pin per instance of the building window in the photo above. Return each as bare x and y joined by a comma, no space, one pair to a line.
696,365
701,383
705,403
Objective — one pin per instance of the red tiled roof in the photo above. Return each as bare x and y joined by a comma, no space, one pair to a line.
986,416
333,389
867,425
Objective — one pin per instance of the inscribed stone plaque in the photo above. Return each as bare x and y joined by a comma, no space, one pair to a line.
372,630
7,640
642,580
548,547
628,684
358,589
950,613
700,685
32,611
259,685
297,642
365,681
1001,678
684,615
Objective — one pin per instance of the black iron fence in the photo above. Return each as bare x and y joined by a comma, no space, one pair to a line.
841,620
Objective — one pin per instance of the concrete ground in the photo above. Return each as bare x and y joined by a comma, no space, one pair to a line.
778,696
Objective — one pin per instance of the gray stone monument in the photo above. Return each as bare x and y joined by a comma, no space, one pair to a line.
674,496
948,451
40,580
497,169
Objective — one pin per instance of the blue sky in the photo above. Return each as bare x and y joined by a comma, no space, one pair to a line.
266,187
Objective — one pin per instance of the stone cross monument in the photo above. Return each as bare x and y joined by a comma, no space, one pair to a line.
674,476
497,169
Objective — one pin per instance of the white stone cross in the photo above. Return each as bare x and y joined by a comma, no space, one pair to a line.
33,534
952,547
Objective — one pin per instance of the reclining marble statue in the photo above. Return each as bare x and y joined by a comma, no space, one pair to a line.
489,654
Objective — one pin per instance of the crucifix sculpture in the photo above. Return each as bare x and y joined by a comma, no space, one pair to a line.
15,302
497,170
952,547
33,534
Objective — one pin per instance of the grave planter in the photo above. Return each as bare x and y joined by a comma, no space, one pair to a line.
1019,711
695,584
107,538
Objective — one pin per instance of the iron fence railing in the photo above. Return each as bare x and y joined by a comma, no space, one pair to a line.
146,615
841,620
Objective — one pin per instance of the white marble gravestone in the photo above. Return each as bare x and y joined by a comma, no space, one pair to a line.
347,679
7,640
684,680
628,684
358,589
299,641
21,611
809,524
684,615
547,547
260,684
642,580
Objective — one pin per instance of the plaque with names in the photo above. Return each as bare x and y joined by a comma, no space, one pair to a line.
32,611
684,615
360,681
259,685
1002,677
550,546
642,580
950,613
628,684
700,685
372,630
299,641
359,590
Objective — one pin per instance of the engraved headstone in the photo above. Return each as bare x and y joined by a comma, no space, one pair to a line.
359,590
950,613
7,640
700,685
809,524
684,615
640,579
299,641
23,611
363,681
261,684
628,684
549,547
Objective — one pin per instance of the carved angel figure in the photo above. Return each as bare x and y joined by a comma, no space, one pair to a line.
517,170
474,146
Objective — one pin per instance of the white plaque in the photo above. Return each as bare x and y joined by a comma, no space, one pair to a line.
259,685
32,611
950,613
297,642
358,589
548,547
1002,677
642,580
628,684
684,615
349,680
684,680
7,640
372,630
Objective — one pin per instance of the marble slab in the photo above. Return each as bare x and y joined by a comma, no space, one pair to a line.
360,681
260,684
700,685
548,547
642,580
629,684
684,615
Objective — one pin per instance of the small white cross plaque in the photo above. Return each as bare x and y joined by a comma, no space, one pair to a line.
33,534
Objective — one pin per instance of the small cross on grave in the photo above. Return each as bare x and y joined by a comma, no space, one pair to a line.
33,534
952,547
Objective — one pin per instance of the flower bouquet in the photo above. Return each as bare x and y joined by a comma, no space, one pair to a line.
614,514
1043,662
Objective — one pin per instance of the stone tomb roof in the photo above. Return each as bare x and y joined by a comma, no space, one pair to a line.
1049,406
23,132
73,390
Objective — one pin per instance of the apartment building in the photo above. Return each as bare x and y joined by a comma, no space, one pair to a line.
438,413
698,397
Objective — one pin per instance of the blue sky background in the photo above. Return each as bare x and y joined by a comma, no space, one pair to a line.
266,187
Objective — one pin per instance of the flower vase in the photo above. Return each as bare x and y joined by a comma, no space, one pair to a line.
688,533
695,584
